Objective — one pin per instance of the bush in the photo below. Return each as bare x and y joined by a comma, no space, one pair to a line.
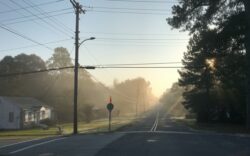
87,113
48,122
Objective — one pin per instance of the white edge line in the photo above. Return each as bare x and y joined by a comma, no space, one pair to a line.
19,143
35,145
156,124
157,121
152,129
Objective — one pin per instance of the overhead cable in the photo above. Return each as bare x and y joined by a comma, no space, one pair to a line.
35,72
36,5
23,36
35,45
144,1
51,25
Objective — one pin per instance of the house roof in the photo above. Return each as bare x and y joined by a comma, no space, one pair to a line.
24,102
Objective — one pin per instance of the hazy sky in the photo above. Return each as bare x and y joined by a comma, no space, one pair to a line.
126,31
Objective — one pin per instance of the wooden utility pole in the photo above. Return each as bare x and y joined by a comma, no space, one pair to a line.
137,101
78,10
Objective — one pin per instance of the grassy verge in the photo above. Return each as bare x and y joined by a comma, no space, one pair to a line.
100,125
215,127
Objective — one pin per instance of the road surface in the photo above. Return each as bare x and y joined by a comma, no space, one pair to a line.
154,135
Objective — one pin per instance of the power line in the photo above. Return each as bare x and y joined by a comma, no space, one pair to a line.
141,39
55,28
52,19
23,17
142,1
34,45
114,91
34,19
117,92
142,44
132,64
49,87
52,84
86,67
128,12
167,45
99,83
36,5
35,72
132,34
128,9
134,42
139,67
23,36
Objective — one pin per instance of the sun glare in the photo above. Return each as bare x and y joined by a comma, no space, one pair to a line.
211,63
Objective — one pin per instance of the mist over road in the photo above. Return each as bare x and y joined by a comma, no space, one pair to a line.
156,135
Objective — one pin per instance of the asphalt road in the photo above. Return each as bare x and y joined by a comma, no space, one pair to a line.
154,135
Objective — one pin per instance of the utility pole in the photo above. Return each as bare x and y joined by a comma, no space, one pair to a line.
137,101
78,10
145,99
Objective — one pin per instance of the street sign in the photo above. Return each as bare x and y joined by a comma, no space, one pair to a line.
110,107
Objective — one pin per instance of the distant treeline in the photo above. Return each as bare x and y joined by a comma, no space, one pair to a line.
55,88
172,101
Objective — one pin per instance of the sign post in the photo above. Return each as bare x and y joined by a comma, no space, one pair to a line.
110,107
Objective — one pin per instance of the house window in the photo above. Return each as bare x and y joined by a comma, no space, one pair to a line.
11,116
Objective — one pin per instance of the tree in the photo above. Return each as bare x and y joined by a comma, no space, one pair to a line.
220,30
60,87
21,63
60,58
21,85
132,95
53,88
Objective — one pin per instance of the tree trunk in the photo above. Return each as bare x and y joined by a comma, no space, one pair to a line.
247,44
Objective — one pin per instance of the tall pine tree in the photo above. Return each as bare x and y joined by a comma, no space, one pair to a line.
220,41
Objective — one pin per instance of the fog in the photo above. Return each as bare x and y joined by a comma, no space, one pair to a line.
55,88
172,101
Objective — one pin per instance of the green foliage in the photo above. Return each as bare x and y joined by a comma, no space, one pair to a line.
132,93
17,85
60,58
214,72
197,15
87,113
55,88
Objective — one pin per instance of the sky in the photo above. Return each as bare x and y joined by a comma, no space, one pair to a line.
126,31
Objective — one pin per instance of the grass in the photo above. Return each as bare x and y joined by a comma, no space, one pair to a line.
100,125
215,127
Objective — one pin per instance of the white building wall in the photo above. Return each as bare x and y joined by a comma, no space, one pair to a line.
5,109
37,116
45,113
29,116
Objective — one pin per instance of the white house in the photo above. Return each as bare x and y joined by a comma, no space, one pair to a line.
21,112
